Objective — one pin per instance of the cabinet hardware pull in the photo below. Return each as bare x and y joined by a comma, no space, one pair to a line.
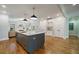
34,38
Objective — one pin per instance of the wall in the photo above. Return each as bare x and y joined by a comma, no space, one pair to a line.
67,29
73,32
4,27
14,21
43,25
78,27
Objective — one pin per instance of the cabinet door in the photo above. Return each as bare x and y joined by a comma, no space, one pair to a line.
40,40
20,38
36,42
32,45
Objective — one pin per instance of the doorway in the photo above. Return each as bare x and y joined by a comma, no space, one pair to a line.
73,27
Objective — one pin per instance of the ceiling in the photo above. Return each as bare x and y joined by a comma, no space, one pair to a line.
41,10
70,10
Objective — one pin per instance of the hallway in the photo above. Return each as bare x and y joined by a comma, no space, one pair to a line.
53,45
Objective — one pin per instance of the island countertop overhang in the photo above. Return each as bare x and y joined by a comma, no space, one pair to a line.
31,33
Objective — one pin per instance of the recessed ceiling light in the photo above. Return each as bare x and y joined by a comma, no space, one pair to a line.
73,4
48,17
3,6
57,14
4,12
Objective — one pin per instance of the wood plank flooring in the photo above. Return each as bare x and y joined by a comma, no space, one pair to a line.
53,45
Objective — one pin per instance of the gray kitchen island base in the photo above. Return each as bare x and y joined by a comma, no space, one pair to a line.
31,42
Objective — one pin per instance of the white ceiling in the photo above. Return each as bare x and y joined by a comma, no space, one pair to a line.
70,10
41,11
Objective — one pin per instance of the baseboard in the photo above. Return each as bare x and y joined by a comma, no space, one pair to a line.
4,39
73,36
78,36
61,37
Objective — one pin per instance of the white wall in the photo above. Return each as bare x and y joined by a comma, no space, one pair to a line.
43,25
14,21
73,32
4,27
77,27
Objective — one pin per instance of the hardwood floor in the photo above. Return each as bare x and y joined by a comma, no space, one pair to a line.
53,45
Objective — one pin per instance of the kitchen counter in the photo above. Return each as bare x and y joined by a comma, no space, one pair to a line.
31,41
31,33
12,34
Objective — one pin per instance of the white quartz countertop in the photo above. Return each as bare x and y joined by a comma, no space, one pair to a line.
32,33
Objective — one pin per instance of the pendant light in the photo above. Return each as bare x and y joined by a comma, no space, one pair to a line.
33,16
24,17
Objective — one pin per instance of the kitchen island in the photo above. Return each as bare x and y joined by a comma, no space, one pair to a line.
31,41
